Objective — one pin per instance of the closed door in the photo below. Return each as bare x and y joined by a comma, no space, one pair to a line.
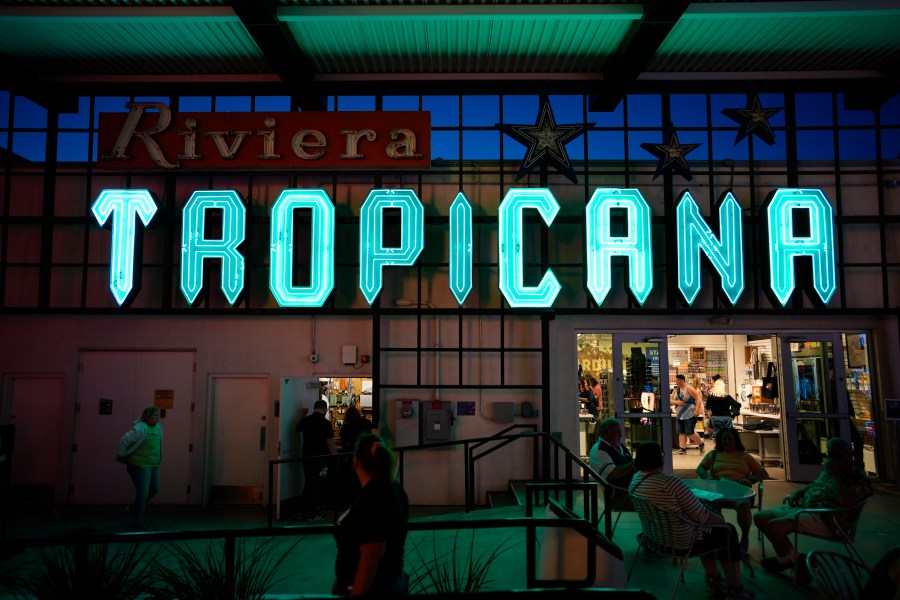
238,463
113,389
36,411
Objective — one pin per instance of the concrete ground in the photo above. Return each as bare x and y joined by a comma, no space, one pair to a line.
308,570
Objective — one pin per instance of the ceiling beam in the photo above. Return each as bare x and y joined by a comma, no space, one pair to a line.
280,48
637,50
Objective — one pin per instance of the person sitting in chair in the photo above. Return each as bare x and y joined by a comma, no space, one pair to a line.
609,457
841,484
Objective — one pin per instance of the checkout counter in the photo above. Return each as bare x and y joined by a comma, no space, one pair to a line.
764,442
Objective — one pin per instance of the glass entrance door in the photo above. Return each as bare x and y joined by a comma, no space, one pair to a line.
640,403
815,401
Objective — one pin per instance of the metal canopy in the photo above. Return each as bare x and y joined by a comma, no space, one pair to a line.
308,48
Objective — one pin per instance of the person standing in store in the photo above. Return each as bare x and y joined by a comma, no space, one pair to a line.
687,403
318,441
720,407
141,451
371,534
598,393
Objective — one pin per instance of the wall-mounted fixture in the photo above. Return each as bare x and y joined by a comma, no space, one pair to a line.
721,320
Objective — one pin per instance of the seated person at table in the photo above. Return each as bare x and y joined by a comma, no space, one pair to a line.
731,461
609,457
841,484
670,493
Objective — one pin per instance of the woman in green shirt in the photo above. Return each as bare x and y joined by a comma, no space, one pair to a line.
141,451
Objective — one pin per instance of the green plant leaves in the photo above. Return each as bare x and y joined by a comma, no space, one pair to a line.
452,571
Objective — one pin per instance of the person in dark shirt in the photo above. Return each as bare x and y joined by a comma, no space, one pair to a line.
371,534
354,425
318,440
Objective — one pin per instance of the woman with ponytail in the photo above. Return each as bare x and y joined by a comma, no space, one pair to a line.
371,535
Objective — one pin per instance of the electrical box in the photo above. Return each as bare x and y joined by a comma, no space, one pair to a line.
348,354
435,419
504,412
406,424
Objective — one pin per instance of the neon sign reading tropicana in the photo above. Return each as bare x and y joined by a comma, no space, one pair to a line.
724,251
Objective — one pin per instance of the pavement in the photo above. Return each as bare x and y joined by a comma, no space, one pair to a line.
307,570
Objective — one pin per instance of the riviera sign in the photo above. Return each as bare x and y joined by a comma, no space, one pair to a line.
124,207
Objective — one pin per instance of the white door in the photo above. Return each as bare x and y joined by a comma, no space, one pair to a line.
814,397
36,411
113,389
238,464
296,393
641,395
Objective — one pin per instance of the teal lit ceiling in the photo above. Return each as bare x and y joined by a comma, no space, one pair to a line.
296,45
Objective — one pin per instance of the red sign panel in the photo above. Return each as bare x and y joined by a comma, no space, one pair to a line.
151,136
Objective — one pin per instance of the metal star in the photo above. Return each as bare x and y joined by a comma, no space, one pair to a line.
754,119
671,154
546,142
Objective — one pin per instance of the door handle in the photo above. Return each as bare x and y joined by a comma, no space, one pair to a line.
262,438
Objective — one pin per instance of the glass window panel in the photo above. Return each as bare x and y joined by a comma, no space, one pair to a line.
195,104
356,103
29,114
763,151
96,137
232,104
857,144
4,140
77,120
890,143
688,110
272,103
104,104
774,101
481,144
606,145
644,110
445,145
815,145
890,111
568,109
30,145
636,138
161,99
4,109
513,150
400,103
444,110
814,109
613,118
481,110
723,146
859,392
518,110
853,117
72,147
718,102
575,148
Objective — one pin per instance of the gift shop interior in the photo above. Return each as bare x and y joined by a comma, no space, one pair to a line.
794,391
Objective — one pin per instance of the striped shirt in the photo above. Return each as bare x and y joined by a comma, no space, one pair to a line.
686,410
670,493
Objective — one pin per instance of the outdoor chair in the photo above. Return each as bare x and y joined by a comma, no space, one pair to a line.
843,523
658,535
615,498
839,576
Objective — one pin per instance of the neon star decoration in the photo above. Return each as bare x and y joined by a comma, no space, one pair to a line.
321,251
460,248
671,154
373,255
510,237
784,246
123,206
195,248
753,120
726,253
546,142
601,245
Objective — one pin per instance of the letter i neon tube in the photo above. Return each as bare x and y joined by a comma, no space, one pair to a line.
460,248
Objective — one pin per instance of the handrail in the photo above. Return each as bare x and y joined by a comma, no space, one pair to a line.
529,524
571,459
